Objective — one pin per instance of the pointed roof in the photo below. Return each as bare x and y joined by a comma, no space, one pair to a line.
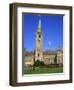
39,26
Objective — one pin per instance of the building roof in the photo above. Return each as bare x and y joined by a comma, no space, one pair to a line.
49,53
59,50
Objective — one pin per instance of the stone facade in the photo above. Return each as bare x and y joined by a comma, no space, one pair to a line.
59,56
49,57
39,44
28,58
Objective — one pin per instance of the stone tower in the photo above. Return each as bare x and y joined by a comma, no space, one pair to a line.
39,43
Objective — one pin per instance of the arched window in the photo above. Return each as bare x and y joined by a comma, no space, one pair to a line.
38,54
39,36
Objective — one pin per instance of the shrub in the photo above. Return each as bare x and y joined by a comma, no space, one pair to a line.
39,63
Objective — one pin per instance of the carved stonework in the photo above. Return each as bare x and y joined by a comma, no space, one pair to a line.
39,43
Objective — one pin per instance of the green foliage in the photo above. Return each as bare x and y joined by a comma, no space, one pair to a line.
55,60
39,63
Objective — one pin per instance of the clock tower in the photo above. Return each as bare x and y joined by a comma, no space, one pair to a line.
39,43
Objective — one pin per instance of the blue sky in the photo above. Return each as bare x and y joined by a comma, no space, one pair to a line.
52,28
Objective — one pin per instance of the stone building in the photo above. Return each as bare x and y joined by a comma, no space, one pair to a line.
53,57
39,43
59,56
28,58
49,57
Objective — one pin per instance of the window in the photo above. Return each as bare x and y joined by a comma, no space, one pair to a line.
39,36
38,54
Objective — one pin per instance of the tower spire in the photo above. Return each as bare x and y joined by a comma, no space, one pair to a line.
39,42
39,25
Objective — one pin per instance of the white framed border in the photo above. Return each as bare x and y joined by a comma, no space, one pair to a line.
46,77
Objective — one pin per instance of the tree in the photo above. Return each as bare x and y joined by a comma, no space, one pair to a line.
34,61
55,60
39,63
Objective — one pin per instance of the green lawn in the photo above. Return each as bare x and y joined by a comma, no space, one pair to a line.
39,70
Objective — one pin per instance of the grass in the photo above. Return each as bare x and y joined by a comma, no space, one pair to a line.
41,70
